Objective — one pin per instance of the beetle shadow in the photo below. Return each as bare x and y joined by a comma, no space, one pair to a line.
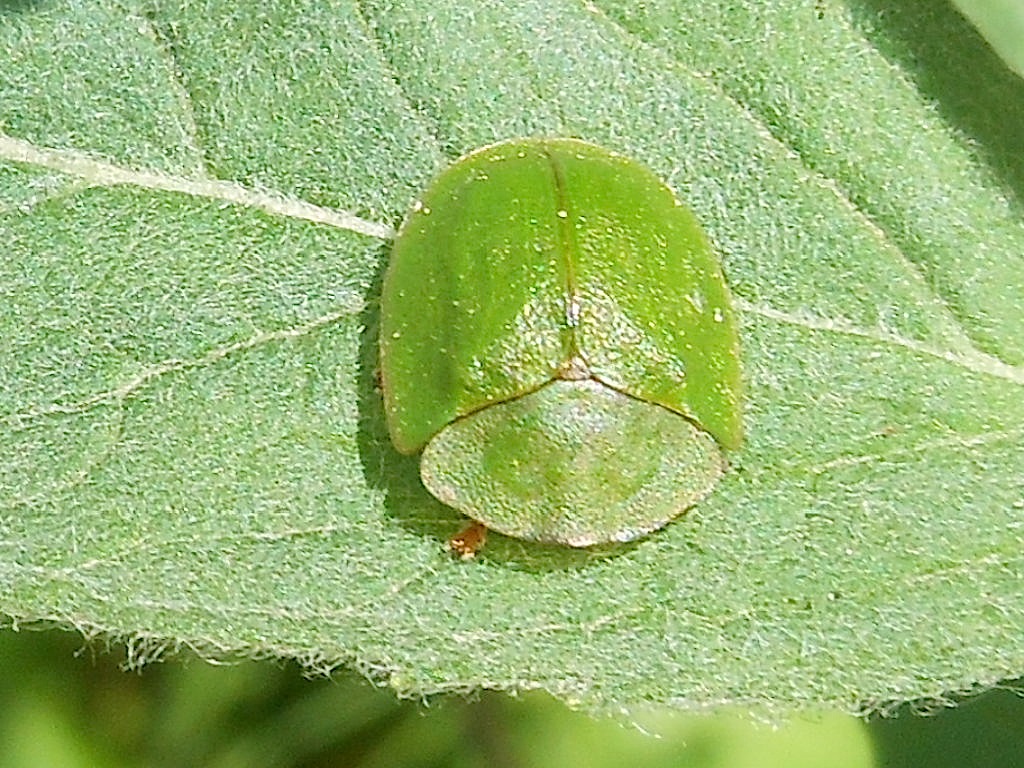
407,502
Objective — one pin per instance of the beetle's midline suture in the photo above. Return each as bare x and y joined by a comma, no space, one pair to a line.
564,218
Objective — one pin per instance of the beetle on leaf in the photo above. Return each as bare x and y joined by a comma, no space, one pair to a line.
558,340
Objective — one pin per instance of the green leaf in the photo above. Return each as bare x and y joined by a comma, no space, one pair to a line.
196,200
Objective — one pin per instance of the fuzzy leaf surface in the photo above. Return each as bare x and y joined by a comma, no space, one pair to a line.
196,201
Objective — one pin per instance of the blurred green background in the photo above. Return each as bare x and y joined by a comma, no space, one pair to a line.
65,701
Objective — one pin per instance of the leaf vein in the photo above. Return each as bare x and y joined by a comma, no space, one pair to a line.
164,41
970,359
173,365
100,173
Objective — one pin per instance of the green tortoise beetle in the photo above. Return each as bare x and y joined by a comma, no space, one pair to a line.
558,340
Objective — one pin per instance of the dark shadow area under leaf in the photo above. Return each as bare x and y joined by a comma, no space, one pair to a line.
955,68
985,730
61,690
407,502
